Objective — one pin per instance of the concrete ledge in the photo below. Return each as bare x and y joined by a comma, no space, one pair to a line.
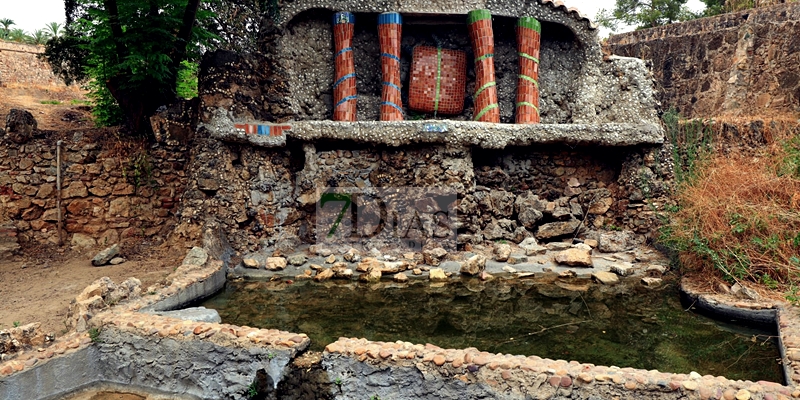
54,378
484,135
463,133
196,288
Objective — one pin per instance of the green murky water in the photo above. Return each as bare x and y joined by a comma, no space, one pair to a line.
623,325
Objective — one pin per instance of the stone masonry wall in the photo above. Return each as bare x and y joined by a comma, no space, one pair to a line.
19,65
112,190
742,63
266,198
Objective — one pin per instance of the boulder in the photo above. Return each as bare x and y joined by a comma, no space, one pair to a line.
501,229
473,266
401,278
196,256
434,257
529,217
103,257
437,275
606,278
502,251
83,240
324,275
614,242
744,292
651,282
297,259
575,257
250,263
276,263
368,264
352,255
556,229
531,247
20,125
622,268
373,275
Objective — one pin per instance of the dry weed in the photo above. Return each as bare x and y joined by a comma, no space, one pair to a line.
739,215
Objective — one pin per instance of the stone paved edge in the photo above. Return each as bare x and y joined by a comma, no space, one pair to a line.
506,372
126,317
63,346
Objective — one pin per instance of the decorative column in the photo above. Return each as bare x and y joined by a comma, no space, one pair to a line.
390,26
529,32
482,36
344,87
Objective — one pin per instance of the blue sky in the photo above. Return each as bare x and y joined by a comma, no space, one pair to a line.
35,14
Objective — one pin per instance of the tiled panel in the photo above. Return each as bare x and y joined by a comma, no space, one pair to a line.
438,80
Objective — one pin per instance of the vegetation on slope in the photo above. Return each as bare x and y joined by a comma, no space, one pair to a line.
738,214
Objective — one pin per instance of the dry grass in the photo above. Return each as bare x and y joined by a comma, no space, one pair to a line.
739,214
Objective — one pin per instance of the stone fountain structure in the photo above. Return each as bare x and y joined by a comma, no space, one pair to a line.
267,141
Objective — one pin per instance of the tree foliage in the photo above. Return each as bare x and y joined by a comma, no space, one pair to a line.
240,24
129,51
644,13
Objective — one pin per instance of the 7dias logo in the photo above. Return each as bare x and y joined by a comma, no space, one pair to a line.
406,217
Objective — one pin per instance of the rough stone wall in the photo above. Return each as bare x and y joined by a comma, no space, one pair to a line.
19,65
102,203
742,63
199,369
266,198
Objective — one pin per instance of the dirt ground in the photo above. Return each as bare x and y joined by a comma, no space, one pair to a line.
39,285
71,113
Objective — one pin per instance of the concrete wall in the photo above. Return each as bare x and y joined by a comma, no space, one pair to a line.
102,203
742,64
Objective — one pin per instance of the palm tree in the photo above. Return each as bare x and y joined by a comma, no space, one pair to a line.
18,35
39,36
6,25
53,29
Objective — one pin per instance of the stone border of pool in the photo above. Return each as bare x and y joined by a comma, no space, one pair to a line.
209,360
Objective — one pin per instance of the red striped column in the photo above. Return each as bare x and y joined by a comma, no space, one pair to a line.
390,26
344,87
482,36
529,32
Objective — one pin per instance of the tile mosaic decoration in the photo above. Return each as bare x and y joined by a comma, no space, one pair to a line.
438,80
390,27
344,86
528,41
482,37
263,129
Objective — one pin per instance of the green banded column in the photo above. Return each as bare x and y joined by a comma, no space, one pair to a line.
528,42
482,37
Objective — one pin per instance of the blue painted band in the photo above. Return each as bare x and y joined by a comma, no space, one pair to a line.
392,85
390,18
390,104
345,100
344,17
344,50
342,79
263,130
392,56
